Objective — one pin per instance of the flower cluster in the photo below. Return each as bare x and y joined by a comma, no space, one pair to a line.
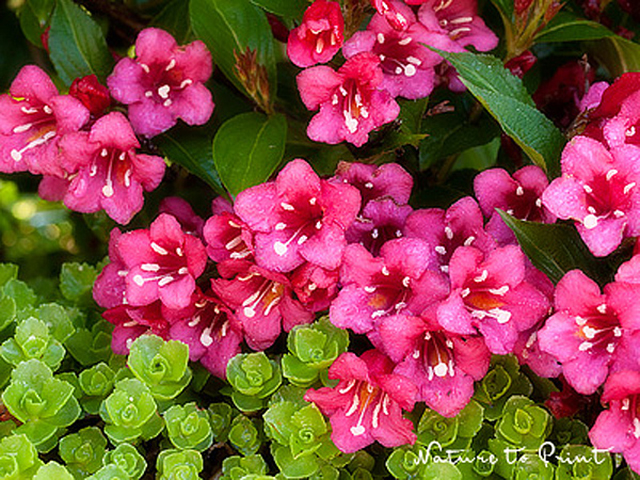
600,169
387,60
86,150
435,292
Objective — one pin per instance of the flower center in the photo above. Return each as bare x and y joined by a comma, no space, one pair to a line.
172,267
265,297
437,355
350,99
365,395
41,122
389,293
607,195
299,220
601,331
164,82
482,300
398,54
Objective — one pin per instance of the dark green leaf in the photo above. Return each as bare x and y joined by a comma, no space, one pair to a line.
228,26
174,18
34,19
193,152
450,134
412,114
504,96
505,7
248,148
553,248
283,8
77,44
566,27
617,54
76,281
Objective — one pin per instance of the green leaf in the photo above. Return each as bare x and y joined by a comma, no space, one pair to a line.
617,54
76,281
566,27
77,45
248,148
283,8
193,152
504,96
505,7
554,248
34,18
174,19
228,26
8,271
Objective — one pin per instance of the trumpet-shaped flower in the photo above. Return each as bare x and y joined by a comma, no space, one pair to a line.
367,403
319,36
351,104
592,334
106,171
598,191
455,24
163,83
162,263
399,282
374,182
33,119
618,428
441,364
298,217
519,196
228,237
261,300
407,65
489,295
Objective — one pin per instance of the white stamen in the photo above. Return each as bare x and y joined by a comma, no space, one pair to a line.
107,190
448,232
144,67
312,286
611,347
618,213
319,45
398,70
47,109
465,292
318,225
636,427
172,64
369,289
409,70
158,249
628,187
385,271
150,267
167,103
406,281
302,239
378,313
205,337
416,354
195,321
249,312
589,332
440,370
441,250
22,128
469,241
602,308
590,221
343,91
166,280
617,332
348,387
163,91
625,404
185,83
334,99
280,248
313,201
414,60
519,191
380,37
631,131
455,33
148,94
580,321
138,280
374,233
382,57
611,173
368,185
539,202
280,226
482,277
459,20
584,346
499,291
587,188
405,41
591,210
287,207
357,430
28,110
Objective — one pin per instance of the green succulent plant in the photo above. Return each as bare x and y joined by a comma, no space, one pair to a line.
96,384
188,427
237,467
244,435
33,340
53,470
179,465
523,423
42,403
18,458
130,412
127,458
83,451
253,377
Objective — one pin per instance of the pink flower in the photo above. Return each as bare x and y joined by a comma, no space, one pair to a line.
592,334
406,64
190,222
261,300
489,295
228,237
163,83
381,220
92,94
109,288
441,364
518,196
455,24
131,322
367,403
351,105
373,182
210,330
461,225
106,171
598,191
162,263
399,282
298,218
393,12
33,119
319,36
618,429
314,286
